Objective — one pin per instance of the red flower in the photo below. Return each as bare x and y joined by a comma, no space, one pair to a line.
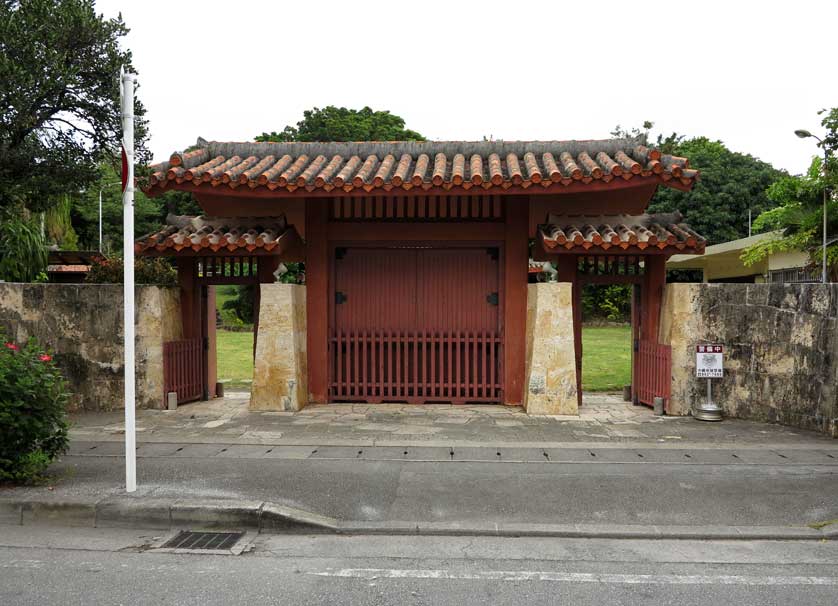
45,357
12,346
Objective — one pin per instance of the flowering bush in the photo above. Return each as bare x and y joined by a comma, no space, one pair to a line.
33,418
146,271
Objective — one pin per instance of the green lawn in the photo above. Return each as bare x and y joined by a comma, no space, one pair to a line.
235,358
606,365
606,357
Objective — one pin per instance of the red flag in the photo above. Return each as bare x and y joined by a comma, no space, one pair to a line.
124,169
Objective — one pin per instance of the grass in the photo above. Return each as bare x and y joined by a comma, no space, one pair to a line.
606,357
606,365
235,358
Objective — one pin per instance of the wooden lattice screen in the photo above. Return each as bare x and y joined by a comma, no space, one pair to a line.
228,269
417,208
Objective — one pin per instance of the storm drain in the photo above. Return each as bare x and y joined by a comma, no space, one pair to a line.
189,539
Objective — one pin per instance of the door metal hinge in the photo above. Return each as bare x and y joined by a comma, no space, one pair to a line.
206,343
637,345
340,298
492,298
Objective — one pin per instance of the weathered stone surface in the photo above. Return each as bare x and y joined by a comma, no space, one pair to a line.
82,325
781,349
279,372
551,360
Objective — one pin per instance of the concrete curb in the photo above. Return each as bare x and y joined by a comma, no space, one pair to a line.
164,514
266,517
611,443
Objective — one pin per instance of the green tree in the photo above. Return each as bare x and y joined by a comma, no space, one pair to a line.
341,124
59,99
149,213
730,184
799,214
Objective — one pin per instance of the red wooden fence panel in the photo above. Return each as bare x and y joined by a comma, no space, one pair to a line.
654,372
183,370
415,367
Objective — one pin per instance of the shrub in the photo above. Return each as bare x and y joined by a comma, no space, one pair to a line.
33,417
147,270
612,302
241,306
24,252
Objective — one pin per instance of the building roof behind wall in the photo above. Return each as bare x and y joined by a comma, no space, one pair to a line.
282,169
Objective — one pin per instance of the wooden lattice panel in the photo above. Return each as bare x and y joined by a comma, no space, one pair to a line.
417,208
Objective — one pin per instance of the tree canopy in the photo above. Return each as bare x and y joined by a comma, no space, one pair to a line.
799,211
341,124
59,98
149,213
730,184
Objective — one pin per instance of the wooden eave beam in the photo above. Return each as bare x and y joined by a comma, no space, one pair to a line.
426,189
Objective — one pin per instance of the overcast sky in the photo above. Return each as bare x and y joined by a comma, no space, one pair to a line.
745,72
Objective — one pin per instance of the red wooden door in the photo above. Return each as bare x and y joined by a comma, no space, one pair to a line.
416,325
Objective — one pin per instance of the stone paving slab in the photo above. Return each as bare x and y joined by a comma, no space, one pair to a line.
604,421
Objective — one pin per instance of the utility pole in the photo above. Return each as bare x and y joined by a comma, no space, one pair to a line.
127,83
805,134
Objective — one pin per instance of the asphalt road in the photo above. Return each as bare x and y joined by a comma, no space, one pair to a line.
649,487
94,566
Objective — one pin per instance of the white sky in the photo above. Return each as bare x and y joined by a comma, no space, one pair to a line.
743,71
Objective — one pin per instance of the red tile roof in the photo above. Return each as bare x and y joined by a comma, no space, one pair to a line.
285,168
214,234
642,232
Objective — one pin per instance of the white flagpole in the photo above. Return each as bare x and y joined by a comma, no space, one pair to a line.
127,83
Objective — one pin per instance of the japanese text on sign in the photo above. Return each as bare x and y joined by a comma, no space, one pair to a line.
708,361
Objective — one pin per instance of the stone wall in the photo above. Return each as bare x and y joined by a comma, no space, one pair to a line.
551,360
279,372
781,350
82,325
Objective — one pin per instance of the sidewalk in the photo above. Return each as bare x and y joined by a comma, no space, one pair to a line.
616,471
603,419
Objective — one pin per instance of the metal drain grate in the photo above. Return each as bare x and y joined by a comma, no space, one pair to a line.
189,539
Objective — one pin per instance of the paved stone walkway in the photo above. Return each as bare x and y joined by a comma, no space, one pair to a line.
603,419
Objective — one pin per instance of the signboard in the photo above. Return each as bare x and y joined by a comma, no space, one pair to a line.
708,361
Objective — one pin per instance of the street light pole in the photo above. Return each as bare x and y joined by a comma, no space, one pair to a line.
805,134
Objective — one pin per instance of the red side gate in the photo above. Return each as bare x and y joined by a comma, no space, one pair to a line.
183,369
416,325
653,372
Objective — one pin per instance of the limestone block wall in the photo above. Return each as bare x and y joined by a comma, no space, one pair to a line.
279,372
551,358
82,325
781,349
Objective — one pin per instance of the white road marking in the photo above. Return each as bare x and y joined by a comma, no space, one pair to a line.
574,577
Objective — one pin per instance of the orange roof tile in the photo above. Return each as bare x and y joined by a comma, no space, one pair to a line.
214,234
286,168
579,234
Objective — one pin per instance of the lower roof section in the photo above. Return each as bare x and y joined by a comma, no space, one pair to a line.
184,235
665,233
